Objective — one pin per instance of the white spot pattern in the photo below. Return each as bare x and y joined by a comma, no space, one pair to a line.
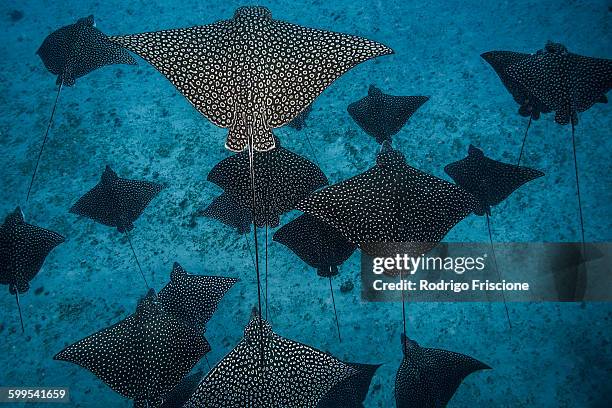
116,202
251,71
193,299
226,210
568,83
294,375
23,249
143,356
391,202
529,104
490,181
316,243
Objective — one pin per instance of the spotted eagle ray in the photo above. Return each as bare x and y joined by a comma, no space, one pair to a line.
351,392
297,375
72,52
226,210
319,245
428,378
282,178
382,116
251,74
193,298
23,249
567,84
183,391
252,71
300,120
142,357
490,182
529,105
553,79
391,203
117,202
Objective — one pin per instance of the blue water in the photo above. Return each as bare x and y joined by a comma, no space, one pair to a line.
556,355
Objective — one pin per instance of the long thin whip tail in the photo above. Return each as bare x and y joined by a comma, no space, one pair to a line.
518,163
266,278
331,290
403,308
254,214
19,308
578,190
497,270
246,238
127,234
42,147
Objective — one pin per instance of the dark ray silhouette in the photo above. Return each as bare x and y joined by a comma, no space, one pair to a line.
281,179
183,391
226,210
117,202
319,245
23,249
428,378
382,116
142,357
351,392
296,376
193,298
491,182
72,52
300,120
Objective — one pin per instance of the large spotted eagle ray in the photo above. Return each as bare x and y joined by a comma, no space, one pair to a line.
319,245
193,298
391,203
251,72
552,79
490,182
117,202
556,80
428,378
23,249
295,375
382,116
72,52
142,357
